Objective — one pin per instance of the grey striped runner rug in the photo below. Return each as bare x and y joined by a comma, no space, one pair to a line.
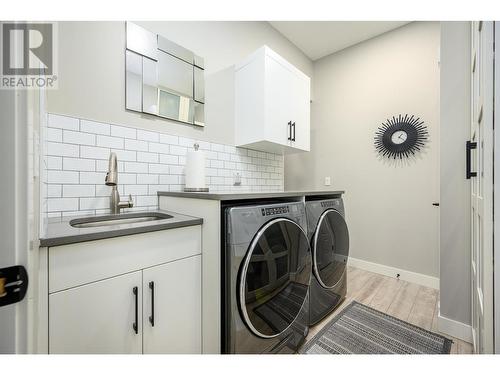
359,329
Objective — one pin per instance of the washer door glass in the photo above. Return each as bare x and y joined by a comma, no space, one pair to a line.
274,278
330,248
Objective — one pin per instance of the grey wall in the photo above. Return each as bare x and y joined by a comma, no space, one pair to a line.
92,76
389,207
455,189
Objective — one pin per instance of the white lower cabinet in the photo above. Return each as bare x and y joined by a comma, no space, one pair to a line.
172,318
128,295
97,317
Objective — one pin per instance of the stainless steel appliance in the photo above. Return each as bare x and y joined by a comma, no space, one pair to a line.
267,271
329,238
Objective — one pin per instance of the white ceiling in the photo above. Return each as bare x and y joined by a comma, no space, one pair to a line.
321,38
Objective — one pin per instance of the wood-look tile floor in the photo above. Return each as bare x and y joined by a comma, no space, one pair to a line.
407,301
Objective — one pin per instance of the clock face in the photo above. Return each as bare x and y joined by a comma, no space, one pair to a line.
399,137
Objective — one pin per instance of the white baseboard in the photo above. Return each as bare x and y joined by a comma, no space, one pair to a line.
412,277
453,328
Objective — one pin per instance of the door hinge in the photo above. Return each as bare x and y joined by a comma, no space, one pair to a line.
13,284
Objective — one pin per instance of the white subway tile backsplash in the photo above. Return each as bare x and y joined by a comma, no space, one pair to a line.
229,149
147,157
76,164
147,200
148,162
63,122
217,147
148,136
169,139
158,168
169,179
123,132
229,165
153,189
54,162
128,178
176,169
147,178
62,177
217,180
125,155
132,144
94,203
211,155
62,149
62,204
211,172
159,147
94,127
54,191
94,152
134,167
111,142
54,135
103,190
78,191
216,164
169,159
178,150
78,138
79,213
92,177
136,189
223,172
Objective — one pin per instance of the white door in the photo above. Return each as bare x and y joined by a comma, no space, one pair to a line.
172,307
279,98
15,205
101,317
496,218
482,186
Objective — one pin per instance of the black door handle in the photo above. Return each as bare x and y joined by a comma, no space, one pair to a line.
436,204
135,326
293,125
468,147
13,284
289,130
152,317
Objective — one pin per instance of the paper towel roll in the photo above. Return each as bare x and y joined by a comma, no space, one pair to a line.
195,170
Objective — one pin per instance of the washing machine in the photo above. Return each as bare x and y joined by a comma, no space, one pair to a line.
267,272
329,238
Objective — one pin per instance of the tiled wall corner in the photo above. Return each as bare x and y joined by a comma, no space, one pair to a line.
76,161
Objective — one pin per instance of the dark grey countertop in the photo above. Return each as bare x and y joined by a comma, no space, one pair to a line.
227,196
58,231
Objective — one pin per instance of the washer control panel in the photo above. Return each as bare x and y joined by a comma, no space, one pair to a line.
330,204
280,210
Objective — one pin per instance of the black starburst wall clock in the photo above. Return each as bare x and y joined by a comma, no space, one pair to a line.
401,137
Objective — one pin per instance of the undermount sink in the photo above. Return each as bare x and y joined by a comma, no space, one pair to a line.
129,218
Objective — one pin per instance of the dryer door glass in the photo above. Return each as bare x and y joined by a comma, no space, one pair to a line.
330,248
274,277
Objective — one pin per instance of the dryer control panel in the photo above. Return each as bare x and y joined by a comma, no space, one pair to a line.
268,211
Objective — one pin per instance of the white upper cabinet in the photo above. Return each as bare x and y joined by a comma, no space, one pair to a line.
272,104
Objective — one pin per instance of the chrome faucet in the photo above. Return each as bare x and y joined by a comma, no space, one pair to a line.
112,180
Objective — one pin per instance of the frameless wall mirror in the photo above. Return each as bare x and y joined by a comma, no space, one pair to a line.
163,78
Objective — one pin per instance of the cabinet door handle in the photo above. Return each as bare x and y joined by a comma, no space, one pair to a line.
152,317
468,147
289,130
135,326
293,125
